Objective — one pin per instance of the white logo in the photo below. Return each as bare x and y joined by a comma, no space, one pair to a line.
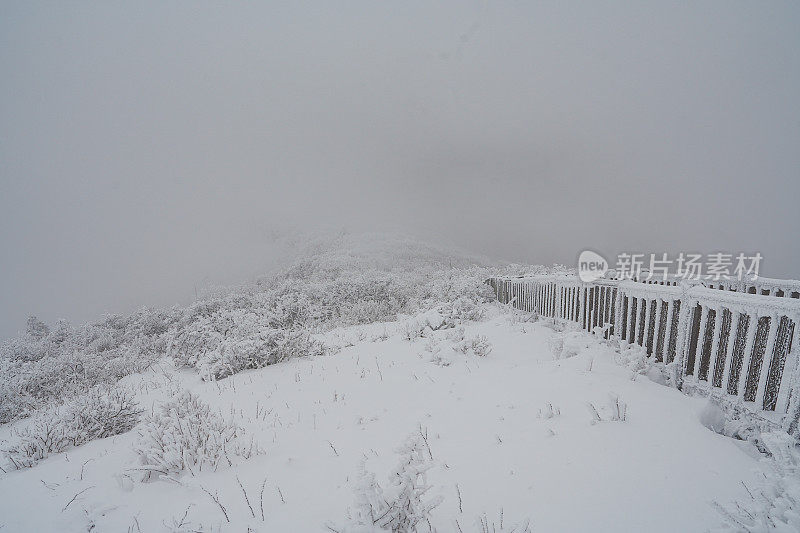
591,266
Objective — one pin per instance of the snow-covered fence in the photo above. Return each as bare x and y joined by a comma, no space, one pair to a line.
736,340
782,288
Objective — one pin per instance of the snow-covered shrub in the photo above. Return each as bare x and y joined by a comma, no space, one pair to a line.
46,365
336,282
437,355
46,434
635,359
369,311
404,506
480,346
102,412
412,330
227,341
618,408
458,344
435,321
477,345
467,308
408,487
293,344
433,346
267,348
774,506
291,310
731,420
370,505
456,335
425,324
186,435
566,344
32,385
36,328
516,316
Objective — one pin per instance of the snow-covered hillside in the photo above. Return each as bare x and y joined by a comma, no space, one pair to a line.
260,415
512,432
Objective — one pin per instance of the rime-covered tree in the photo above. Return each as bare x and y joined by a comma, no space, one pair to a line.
36,328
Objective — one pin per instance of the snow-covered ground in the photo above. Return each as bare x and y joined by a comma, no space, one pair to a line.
513,433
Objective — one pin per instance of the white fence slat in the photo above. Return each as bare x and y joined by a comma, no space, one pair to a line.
791,370
712,357
726,369
752,328
767,359
701,335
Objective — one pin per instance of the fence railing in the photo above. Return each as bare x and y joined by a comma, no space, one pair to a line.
737,340
782,288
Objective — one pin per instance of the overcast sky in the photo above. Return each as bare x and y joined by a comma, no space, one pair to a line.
146,148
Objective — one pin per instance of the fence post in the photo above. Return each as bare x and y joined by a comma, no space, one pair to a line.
629,298
752,327
701,336
726,370
790,380
791,396
668,332
645,326
682,340
657,331
712,357
558,310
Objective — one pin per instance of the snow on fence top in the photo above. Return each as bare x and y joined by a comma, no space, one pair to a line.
789,288
735,340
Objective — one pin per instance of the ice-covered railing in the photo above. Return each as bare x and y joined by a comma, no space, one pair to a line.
739,343
782,288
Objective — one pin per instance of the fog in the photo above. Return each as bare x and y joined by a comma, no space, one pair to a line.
147,149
